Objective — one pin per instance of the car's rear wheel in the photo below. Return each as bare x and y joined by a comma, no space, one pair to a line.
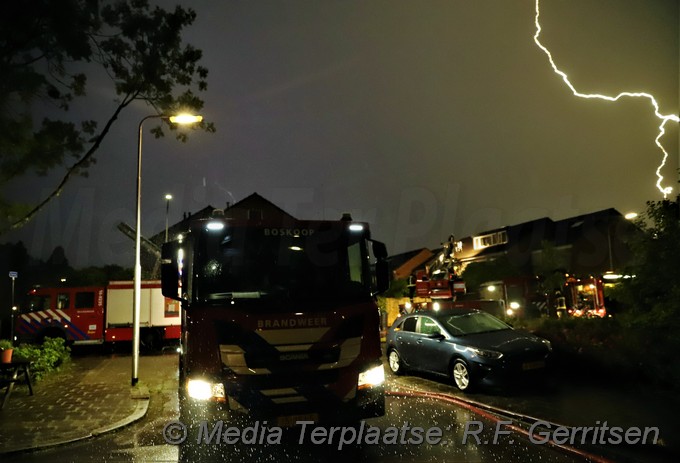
395,363
460,373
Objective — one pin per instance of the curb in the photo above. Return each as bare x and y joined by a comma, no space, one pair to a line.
139,412
141,397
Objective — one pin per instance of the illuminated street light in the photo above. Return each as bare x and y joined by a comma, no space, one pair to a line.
168,197
631,215
184,119
177,119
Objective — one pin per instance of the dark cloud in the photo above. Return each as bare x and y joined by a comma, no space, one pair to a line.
426,118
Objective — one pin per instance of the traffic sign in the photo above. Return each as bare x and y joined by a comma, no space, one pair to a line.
13,275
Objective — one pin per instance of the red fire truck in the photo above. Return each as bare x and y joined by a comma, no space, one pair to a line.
279,319
440,284
98,314
506,299
517,297
524,297
440,281
584,297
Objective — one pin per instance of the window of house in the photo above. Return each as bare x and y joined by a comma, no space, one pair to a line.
492,239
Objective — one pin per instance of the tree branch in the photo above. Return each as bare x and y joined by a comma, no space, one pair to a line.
74,168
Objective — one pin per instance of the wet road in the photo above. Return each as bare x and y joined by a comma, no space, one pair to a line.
414,429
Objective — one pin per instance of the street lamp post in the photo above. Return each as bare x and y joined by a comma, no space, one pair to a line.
168,197
14,311
179,119
13,275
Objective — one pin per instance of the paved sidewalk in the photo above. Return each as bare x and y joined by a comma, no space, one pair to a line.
92,396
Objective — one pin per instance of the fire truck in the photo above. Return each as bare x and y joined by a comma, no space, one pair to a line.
279,319
440,281
517,297
439,284
99,314
506,299
583,297
524,297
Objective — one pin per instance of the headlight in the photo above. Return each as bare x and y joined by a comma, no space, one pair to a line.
548,344
200,389
372,377
488,354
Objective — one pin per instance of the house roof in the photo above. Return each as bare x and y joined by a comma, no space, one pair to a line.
183,225
529,236
398,260
569,230
595,240
404,264
256,201
251,202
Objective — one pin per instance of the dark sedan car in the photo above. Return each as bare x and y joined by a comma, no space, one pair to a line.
469,346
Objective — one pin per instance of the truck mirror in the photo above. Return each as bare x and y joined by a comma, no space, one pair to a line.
382,271
170,276
379,250
382,276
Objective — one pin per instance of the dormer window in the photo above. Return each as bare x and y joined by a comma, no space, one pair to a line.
491,239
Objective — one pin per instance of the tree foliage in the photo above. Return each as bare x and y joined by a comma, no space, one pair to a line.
655,289
47,51
551,266
53,272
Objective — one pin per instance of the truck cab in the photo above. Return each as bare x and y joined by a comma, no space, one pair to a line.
279,320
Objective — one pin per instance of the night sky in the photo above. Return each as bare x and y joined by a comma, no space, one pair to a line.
423,118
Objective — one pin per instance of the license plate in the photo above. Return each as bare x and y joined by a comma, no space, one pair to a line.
289,421
533,365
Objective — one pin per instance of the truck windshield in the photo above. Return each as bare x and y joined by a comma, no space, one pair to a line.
283,263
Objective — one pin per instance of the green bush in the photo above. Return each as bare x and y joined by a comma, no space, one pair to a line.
398,288
46,358
627,348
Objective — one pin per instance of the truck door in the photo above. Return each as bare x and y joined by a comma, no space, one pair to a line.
89,313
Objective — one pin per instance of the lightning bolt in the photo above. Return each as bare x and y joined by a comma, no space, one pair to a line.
664,118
